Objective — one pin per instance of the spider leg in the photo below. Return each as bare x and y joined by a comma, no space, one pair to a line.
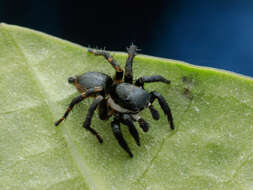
119,72
118,135
77,100
165,107
155,78
129,62
143,124
128,121
155,114
103,110
89,116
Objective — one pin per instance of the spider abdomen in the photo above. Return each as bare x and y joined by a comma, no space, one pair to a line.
130,97
93,79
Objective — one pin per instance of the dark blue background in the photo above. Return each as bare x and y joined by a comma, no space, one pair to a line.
215,33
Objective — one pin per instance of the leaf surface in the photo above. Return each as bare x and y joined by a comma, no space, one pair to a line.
211,147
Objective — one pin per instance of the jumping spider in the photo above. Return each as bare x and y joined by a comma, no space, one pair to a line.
122,100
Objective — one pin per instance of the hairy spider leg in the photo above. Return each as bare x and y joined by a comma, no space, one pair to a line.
128,121
89,116
155,114
118,135
165,107
147,79
129,63
104,110
142,123
77,100
119,72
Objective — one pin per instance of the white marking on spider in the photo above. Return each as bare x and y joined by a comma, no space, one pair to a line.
117,107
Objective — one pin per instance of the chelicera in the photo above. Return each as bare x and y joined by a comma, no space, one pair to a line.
119,99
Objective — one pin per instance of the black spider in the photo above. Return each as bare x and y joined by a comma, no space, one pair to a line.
123,100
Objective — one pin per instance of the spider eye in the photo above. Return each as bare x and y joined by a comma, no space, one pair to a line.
71,79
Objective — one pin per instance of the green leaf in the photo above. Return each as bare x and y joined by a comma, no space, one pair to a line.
211,147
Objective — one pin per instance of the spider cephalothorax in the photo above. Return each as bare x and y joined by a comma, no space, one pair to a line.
122,100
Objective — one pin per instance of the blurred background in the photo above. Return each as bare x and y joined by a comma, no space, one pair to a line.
214,33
